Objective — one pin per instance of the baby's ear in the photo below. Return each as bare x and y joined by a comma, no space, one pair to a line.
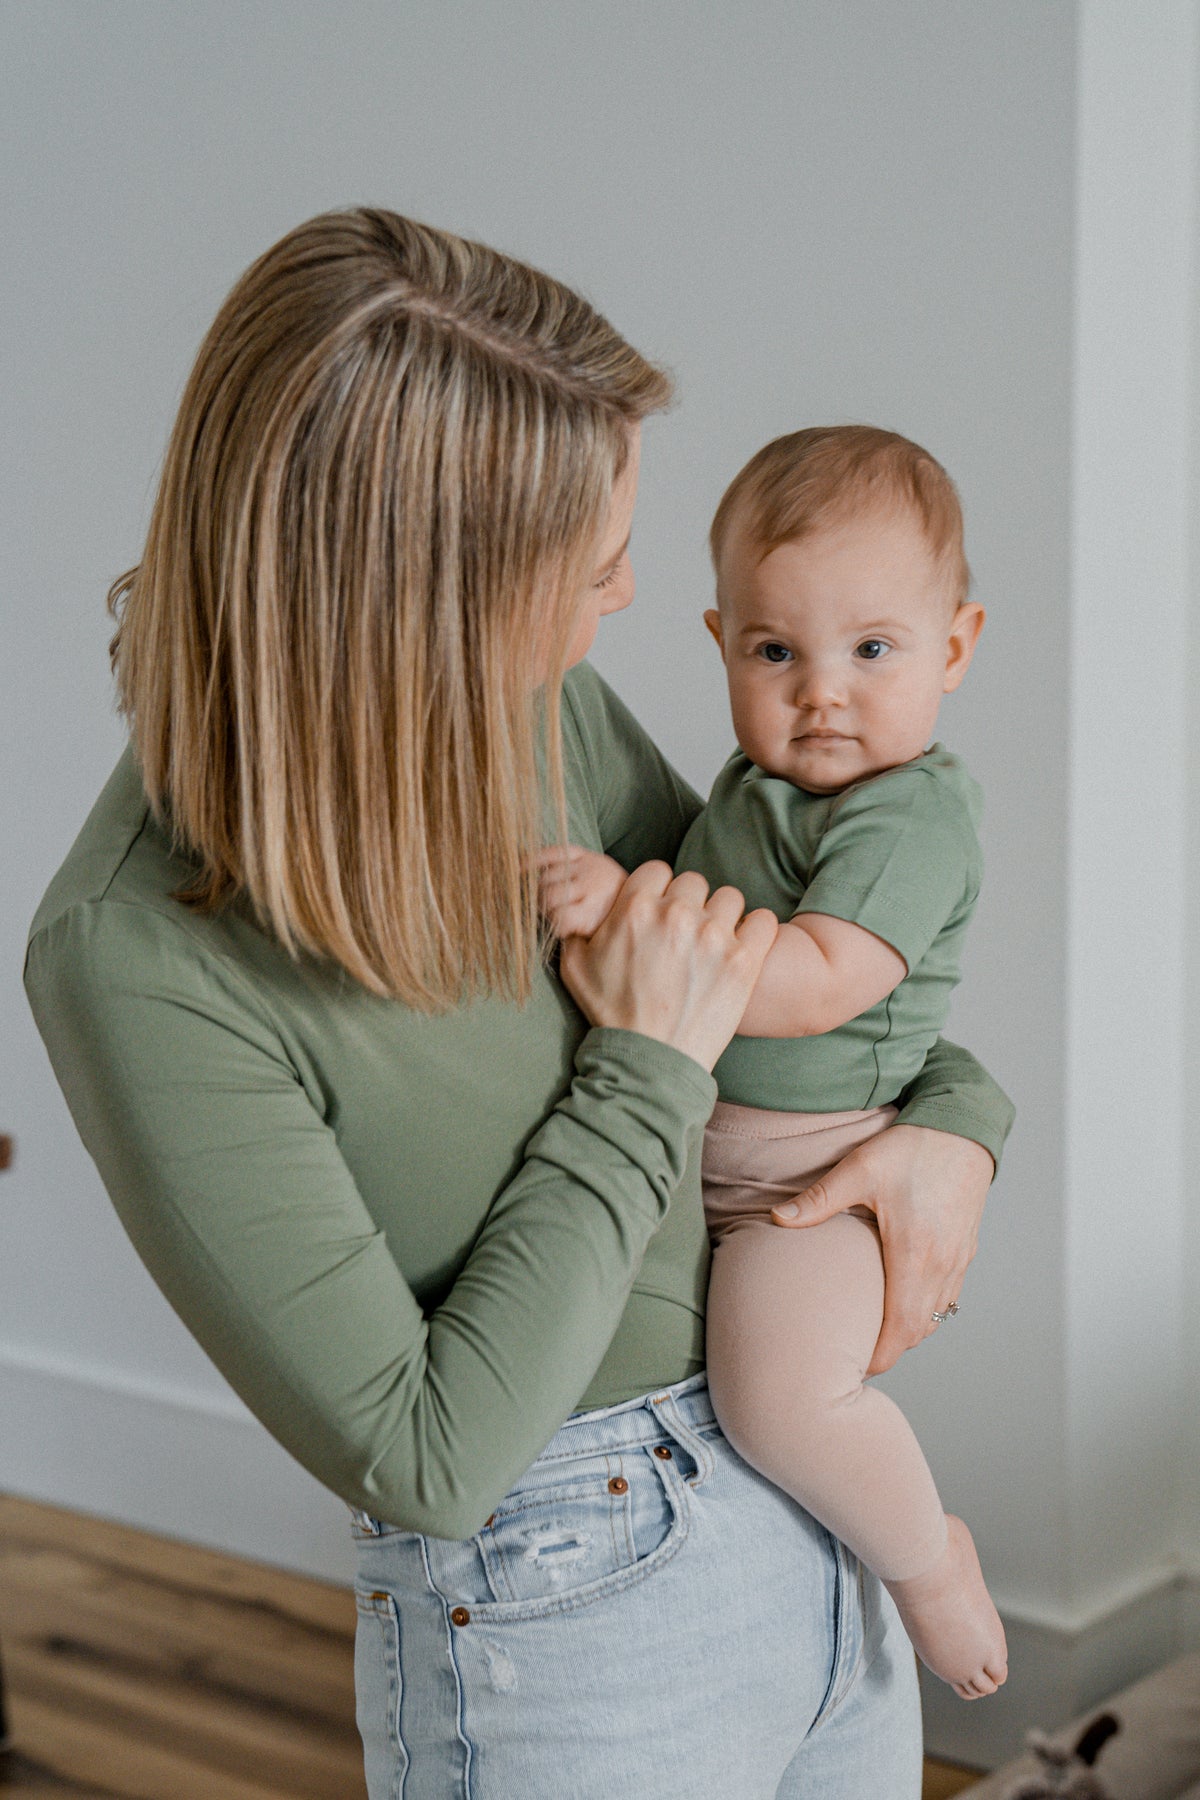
712,619
965,628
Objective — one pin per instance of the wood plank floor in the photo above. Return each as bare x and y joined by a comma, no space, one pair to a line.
141,1669
150,1670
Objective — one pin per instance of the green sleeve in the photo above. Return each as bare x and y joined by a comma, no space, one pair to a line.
955,1093
233,1189
643,806
898,857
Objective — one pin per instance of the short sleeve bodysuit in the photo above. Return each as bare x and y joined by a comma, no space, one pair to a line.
897,854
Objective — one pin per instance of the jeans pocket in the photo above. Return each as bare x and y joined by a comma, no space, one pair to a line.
570,1532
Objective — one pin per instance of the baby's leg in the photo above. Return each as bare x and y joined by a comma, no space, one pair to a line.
792,1321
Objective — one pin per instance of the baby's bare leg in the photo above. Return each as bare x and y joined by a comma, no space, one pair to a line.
792,1321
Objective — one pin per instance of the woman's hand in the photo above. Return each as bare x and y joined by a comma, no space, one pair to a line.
670,960
927,1190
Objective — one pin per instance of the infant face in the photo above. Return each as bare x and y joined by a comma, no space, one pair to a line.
838,648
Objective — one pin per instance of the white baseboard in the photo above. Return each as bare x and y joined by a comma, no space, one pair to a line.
197,1469
1059,1667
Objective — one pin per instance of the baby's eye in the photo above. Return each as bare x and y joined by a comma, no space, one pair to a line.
872,649
774,653
607,580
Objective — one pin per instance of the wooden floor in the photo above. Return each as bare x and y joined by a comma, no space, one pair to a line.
942,1781
140,1669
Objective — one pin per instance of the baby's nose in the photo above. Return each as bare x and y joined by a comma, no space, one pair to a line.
819,686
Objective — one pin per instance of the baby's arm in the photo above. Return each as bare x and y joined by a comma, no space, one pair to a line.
576,888
820,972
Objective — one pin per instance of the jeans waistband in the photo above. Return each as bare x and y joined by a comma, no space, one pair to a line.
682,1412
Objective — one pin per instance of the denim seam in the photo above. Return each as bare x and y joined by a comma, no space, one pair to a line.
396,1702
383,1611
459,1697
847,1667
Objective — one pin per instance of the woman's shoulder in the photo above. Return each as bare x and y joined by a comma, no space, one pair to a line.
593,715
110,915
119,851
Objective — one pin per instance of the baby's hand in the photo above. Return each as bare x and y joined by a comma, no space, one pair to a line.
576,889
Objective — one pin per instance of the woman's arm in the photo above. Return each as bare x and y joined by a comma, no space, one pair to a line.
233,1189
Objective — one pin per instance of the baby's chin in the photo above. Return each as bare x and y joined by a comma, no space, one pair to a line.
822,771
828,770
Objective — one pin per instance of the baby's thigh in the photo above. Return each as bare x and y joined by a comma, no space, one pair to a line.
796,1304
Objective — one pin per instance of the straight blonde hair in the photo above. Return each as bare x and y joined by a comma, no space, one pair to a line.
341,654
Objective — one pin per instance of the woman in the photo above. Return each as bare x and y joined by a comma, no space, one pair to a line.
416,1210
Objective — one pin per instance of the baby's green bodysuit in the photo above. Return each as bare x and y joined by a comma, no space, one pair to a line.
897,854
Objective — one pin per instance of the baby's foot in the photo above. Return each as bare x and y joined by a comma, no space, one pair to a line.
948,1614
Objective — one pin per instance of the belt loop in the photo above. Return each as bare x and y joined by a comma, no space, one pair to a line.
666,1408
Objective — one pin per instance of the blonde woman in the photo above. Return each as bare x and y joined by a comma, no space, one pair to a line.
431,1207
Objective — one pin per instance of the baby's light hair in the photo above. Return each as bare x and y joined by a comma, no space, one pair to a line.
797,484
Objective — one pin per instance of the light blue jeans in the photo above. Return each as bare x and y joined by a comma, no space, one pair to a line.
643,1612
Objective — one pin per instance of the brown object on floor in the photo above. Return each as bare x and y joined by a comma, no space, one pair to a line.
943,1780
6,1152
142,1669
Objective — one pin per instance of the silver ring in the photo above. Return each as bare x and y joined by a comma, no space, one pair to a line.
939,1318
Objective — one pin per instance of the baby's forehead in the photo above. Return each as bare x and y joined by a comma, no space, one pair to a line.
749,564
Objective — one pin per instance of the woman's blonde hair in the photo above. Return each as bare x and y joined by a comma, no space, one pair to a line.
342,651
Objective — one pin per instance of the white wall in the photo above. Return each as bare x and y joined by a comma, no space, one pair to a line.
811,212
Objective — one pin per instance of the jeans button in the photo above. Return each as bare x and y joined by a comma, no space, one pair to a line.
618,1485
663,1451
460,1616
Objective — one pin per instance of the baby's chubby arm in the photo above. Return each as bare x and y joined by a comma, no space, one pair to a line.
577,888
819,973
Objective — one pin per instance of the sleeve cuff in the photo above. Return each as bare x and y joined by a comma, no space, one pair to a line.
686,1092
960,1121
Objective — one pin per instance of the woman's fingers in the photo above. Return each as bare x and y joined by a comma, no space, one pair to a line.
929,1221
652,878
727,906
690,888
918,1275
671,960
755,933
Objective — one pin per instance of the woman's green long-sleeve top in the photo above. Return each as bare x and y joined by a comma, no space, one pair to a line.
411,1245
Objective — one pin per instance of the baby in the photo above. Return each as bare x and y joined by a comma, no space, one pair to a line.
842,618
